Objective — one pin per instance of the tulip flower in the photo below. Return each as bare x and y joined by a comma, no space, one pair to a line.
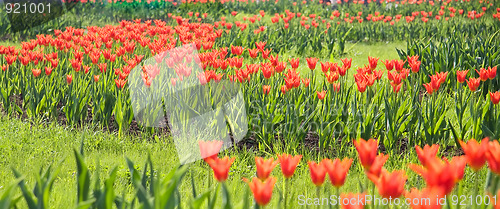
389,64
336,87
441,174
337,170
264,167
266,89
321,94
493,156
69,79
426,154
311,62
220,167
431,194
492,72
347,63
376,166
473,83
209,149
475,153
367,151
373,62
36,72
461,74
415,66
483,74
318,173
288,164
390,185
262,191
495,97
294,63
96,78
346,202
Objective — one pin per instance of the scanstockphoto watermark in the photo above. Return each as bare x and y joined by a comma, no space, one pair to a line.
362,199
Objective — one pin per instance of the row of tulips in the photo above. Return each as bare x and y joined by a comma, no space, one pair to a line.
441,177
90,71
322,25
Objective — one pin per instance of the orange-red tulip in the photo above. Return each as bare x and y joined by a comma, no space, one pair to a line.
426,154
442,174
473,83
36,72
220,167
264,167
321,94
493,156
262,191
311,62
337,170
495,97
376,166
209,149
347,203
475,153
288,164
430,195
318,173
266,89
389,185
461,74
367,151
69,79
372,62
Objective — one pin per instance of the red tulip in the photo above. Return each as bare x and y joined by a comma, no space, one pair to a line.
347,203
306,81
373,62
318,173
336,87
321,94
475,153
461,75
337,170
209,149
441,174
396,87
492,72
430,194
220,167
367,151
264,167
96,78
48,70
120,83
389,64
415,66
69,79
266,89
294,63
288,164
473,83
483,74
311,62
376,167
495,97
426,154
36,72
347,63
262,191
390,185
493,156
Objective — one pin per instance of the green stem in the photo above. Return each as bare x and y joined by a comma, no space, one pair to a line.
287,181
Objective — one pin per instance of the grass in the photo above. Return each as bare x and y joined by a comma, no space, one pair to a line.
29,147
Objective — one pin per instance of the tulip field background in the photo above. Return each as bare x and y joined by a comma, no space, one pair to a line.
393,99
